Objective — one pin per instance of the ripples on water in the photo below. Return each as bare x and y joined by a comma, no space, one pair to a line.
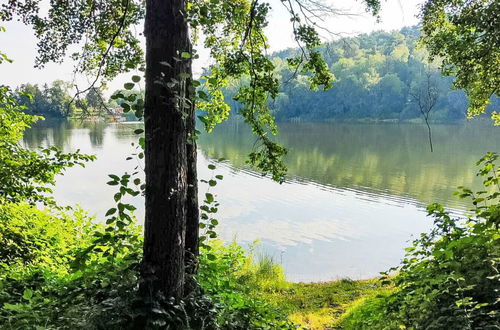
349,207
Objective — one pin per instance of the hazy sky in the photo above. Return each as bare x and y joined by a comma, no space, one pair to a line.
20,45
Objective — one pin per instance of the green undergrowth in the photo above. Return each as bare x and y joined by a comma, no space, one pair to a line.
317,305
46,284
323,305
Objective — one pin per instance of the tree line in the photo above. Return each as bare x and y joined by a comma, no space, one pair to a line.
376,77
57,100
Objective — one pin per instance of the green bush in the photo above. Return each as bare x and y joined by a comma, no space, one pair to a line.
30,237
55,275
43,284
449,278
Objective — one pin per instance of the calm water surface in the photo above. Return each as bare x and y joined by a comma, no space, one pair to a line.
354,198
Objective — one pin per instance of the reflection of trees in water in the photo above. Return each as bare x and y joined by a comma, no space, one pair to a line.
391,158
60,132
96,132
48,133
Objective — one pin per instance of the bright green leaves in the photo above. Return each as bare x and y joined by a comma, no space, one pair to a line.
25,175
53,259
121,216
308,35
208,210
209,198
3,57
241,62
185,55
464,35
321,75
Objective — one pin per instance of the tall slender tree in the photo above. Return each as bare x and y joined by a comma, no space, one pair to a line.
166,116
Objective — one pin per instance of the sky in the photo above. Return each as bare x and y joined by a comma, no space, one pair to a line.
19,43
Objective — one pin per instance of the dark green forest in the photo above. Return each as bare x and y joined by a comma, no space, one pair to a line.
376,75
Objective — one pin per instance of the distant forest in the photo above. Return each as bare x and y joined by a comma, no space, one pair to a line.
57,100
376,76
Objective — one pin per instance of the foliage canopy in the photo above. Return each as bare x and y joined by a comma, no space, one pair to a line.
466,35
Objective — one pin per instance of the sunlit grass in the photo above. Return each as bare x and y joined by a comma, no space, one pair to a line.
321,305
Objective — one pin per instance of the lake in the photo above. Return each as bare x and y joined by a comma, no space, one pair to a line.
354,198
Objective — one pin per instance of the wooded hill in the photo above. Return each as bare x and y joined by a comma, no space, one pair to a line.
375,76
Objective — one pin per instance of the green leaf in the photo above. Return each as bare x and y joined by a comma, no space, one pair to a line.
142,142
110,212
130,207
139,131
136,78
211,166
209,197
202,95
125,106
28,294
128,85
185,55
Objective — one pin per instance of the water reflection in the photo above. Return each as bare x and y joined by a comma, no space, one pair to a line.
354,197
392,159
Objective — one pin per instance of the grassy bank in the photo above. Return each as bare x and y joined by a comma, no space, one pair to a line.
323,305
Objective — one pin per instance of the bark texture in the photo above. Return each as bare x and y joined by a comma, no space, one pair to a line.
192,210
166,157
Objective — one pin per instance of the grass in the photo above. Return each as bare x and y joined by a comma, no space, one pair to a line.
316,305
323,305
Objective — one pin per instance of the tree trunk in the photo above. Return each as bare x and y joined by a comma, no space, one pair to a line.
193,215
429,134
167,36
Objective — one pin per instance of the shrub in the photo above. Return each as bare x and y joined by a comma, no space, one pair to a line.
54,275
41,283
